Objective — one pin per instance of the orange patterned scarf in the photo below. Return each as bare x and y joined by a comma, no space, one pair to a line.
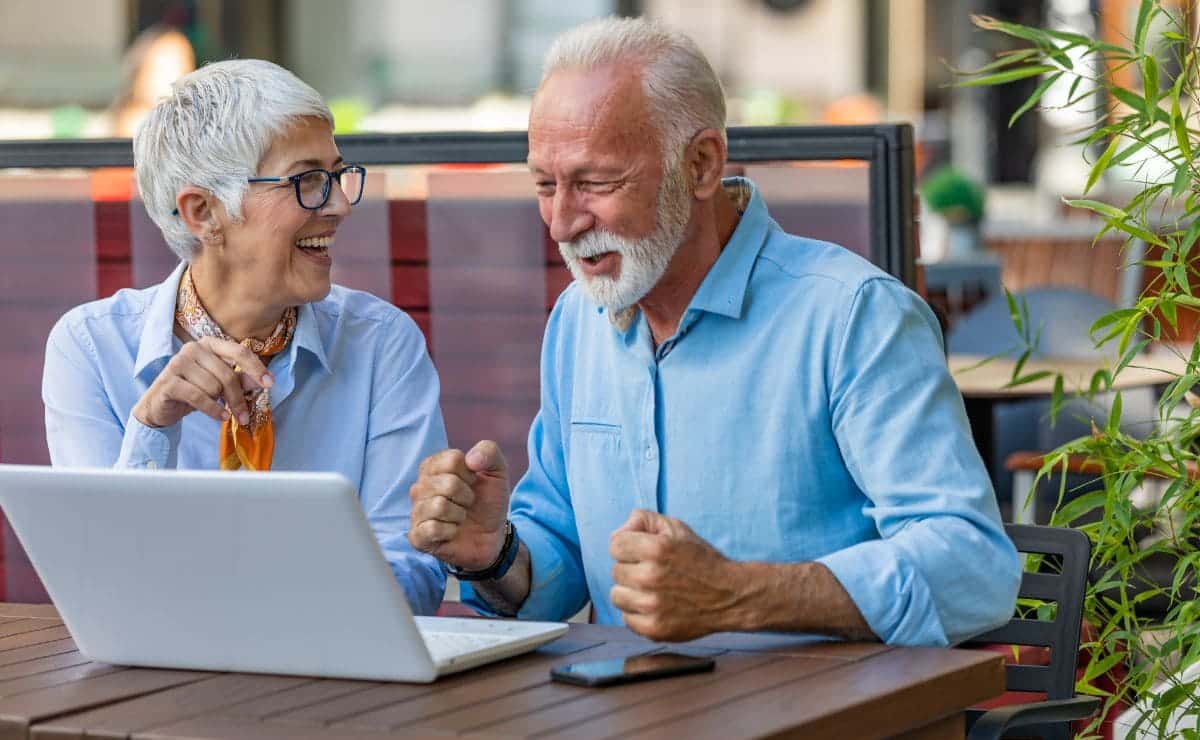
250,447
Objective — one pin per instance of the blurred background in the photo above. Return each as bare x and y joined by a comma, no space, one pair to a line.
71,68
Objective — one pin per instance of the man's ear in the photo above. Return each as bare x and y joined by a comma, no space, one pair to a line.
706,155
197,208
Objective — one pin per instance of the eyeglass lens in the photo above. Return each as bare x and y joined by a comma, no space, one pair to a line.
314,186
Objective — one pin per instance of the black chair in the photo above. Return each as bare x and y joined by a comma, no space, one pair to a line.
1061,578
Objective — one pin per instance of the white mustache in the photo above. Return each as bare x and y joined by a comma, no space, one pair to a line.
592,244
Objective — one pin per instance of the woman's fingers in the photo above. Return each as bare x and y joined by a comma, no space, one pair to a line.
183,390
228,385
235,355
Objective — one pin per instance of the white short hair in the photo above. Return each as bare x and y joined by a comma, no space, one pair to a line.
683,91
212,131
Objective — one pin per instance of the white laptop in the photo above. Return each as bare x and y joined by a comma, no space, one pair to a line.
256,572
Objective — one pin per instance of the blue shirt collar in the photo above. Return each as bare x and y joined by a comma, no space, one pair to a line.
158,334
723,290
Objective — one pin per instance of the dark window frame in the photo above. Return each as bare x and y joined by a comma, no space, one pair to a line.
887,149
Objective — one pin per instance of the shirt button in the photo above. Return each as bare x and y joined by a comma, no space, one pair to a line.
151,465
649,453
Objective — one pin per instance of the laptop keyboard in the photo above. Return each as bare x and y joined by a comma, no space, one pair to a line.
444,645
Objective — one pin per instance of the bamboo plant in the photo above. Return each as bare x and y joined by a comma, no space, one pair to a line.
1139,134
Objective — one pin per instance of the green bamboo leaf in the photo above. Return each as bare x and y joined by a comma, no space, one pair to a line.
1181,277
1168,312
1092,45
1139,144
1074,87
1016,30
1033,99
1030,378
1174,695
1150,81
1077,507
1101,164
1090,690
1182,179
1145,15
1101,381
1056,399
1190,236
1004,59
1113,317
1114,415
1138,104
1016,373
999,78
1179,122
1104,665
1129,355
1014,313
1104,209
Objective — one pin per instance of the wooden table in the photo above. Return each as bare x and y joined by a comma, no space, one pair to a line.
976,378
983,384
764,686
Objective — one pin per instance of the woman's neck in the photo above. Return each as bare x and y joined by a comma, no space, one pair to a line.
239,313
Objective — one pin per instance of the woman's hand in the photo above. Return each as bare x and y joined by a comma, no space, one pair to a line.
198,378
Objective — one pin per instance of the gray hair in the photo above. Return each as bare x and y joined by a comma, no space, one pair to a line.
212,132
683,91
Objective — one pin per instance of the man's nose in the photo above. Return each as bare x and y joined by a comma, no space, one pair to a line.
567,219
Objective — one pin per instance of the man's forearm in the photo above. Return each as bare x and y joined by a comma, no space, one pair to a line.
508,593
795,597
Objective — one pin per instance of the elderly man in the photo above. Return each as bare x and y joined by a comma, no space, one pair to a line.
739,429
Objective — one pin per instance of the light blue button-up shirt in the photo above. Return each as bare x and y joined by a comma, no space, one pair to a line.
802,411
355,393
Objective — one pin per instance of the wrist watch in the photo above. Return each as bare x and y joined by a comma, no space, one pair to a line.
499,566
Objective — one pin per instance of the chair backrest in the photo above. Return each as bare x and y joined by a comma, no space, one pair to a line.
1068,255
1061,578
1061,317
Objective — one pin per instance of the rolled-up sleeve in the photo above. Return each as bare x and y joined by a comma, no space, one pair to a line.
943,568
541,507
404,428
82,427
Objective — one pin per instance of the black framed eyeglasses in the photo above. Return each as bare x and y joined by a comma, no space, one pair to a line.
313,186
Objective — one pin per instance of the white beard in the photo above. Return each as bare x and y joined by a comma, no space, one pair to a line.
643,261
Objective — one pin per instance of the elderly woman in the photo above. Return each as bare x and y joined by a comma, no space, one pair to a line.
239,169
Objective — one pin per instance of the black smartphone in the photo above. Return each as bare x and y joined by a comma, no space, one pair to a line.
634,668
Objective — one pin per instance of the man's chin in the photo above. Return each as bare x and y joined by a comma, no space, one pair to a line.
609,300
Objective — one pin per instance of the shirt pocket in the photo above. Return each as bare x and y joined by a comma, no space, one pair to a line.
599,477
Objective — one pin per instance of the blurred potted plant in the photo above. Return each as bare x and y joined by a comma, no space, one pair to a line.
1148,125
958,201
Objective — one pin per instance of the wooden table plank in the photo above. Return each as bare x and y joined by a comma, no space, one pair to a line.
36,650
37,611
21,626
907,687
469,691
363,702
783,644
315,692
61,659
234,729
35,644
32,679
167,707
19,712
630,718
584,703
